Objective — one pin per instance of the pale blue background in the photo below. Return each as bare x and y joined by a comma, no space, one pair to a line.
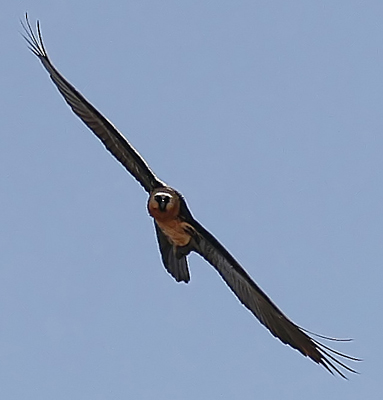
268,117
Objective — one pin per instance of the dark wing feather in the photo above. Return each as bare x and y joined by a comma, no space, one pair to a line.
113,140
252,297
177,267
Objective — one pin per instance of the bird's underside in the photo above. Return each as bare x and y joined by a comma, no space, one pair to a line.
178,233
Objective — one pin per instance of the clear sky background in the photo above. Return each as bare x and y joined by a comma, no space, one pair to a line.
268,117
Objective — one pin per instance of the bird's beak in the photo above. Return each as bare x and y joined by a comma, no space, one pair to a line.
162,204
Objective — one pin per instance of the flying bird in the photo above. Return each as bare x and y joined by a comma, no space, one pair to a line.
178,233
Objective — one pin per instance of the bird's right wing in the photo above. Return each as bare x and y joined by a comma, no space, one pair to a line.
113,140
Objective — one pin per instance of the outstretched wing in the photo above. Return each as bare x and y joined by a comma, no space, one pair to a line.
113,140
252,297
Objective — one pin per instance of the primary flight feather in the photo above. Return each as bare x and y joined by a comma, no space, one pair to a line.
178,233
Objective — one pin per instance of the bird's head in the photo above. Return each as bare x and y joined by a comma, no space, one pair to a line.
164,203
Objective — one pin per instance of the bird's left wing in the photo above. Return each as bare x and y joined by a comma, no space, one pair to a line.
113,140
252,297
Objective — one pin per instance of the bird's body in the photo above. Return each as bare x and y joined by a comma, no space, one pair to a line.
175,230
178,233
164,207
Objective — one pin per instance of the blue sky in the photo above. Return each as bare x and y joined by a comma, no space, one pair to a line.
268,117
